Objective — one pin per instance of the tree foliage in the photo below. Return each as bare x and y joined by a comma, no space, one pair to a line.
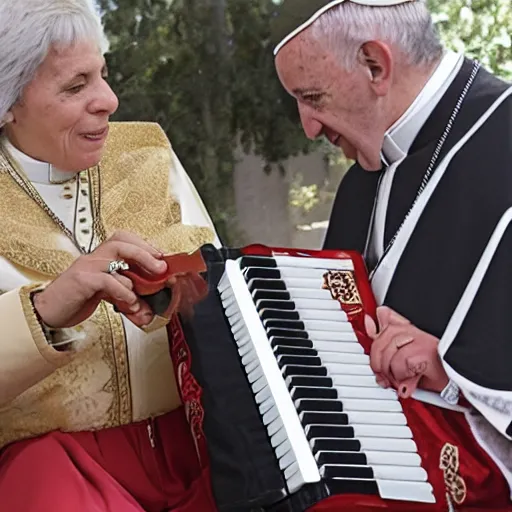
204,70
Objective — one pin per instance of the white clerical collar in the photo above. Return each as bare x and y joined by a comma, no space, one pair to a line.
37,171
400,137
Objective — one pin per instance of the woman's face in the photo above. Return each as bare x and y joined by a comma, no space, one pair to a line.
62,116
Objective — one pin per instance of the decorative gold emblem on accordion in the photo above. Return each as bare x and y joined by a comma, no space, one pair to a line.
455,485
342,285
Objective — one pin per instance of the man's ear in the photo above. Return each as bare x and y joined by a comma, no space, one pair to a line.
377,58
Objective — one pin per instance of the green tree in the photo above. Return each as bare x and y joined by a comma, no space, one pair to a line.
204,70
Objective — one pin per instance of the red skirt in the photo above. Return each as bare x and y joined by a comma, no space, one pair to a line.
114,470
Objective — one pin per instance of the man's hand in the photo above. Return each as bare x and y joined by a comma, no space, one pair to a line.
75,294
403,356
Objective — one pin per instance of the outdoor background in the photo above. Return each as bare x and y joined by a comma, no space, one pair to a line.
204,70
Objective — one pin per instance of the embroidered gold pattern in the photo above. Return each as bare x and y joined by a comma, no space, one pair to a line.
92,391
342,285
455,484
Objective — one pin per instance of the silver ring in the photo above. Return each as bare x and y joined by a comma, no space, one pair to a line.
117,265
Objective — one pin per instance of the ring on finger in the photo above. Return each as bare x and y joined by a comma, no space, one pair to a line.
403,341
117,265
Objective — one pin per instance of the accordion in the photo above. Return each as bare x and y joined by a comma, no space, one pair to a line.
274,372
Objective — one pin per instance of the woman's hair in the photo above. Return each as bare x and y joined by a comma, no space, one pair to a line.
408,26
28,29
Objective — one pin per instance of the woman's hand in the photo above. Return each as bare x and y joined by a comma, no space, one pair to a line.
75,294
403,356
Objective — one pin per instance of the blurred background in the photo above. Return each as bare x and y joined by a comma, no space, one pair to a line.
204,70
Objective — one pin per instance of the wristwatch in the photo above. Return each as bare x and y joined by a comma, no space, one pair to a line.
451,393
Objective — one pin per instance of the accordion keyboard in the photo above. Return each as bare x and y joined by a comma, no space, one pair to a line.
326,417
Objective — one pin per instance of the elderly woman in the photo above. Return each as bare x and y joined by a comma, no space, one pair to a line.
90,417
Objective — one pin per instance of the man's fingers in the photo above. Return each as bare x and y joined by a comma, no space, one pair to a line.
406,388
370,326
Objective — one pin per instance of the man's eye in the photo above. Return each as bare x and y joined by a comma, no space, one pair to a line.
75,89
313,98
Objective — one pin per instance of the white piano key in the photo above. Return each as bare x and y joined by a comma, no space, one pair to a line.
275,426
323,263
336,357
396,458
303,272
322,305
338,346
360,381
286,460
333,335
270,415
387,445
401,473
348,369
255,374
266,405
406,491
350,405
327,326
259,385
305,293
321,314
377,418
369,393
303,282
386,431
292,430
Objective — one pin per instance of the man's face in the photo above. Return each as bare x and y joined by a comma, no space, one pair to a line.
333,102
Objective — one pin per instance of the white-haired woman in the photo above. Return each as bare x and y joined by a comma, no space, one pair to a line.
90,418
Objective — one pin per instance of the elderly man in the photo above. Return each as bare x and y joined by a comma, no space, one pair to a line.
426,201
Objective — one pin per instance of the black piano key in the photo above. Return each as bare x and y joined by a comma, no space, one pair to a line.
282,350
315,382
363,472
287,333
287,305
324,418
353,458
300,360
324,393
332,431
319,405
317,371
278,314
261,273
257,261
270,295
267,284
285,324
352,486
290,342
336,445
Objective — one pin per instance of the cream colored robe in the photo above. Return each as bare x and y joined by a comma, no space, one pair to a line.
117,374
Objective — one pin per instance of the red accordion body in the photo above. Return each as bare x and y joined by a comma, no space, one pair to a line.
460,471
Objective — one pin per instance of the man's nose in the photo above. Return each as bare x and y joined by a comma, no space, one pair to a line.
311,126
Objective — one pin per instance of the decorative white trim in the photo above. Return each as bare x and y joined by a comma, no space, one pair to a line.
473,286
325,8
386,270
